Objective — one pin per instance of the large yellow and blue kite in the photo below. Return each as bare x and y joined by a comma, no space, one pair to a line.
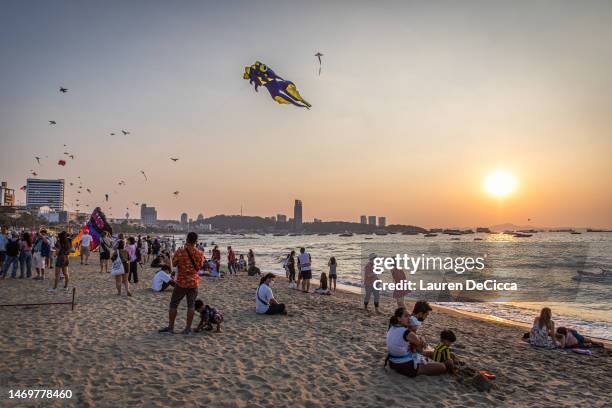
282,91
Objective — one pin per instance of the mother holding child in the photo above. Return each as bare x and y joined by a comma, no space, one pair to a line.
405,348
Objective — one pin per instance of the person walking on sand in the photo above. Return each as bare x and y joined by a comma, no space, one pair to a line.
105,251
290,265
12,256
189,261
85,243
37,254
305,269
25,255
264,299
398,294
231,260
132,252
63,246
122,278
369,277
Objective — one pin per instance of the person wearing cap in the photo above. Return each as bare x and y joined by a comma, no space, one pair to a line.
369,277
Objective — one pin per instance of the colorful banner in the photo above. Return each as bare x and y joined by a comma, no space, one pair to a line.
96,225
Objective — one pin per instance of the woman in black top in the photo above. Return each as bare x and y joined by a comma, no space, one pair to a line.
62,251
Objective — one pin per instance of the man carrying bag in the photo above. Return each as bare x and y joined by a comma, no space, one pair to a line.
189,261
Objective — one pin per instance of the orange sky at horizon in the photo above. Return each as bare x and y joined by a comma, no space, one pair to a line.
416,105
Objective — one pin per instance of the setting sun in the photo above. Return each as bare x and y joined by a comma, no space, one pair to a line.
500,183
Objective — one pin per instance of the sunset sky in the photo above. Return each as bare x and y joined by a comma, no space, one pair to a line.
417,103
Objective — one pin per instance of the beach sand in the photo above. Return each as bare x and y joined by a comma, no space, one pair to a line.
327,353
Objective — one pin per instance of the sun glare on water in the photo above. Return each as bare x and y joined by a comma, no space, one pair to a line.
500,183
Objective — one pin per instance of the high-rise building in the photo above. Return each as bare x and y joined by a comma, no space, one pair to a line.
7,195
372,220
148,215
200,217
317,220
363,219
184,219
281,218
297,214
382,221
50,193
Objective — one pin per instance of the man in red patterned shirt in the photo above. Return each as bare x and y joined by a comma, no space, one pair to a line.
189,261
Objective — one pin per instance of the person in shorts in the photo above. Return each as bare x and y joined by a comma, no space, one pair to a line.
85,243
189,261
305,269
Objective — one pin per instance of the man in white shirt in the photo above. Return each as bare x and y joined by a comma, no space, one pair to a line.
264,299
305,269
162,279
85,242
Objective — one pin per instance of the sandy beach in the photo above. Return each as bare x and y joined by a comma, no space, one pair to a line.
328,352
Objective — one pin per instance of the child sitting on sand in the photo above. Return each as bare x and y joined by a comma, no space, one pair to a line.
208,317
241,263
323,289
442,352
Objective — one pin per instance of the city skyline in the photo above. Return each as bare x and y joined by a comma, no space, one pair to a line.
416,107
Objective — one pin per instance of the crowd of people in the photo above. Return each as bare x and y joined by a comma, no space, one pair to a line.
181,269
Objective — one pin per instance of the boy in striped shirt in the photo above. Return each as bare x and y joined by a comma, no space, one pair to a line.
442,352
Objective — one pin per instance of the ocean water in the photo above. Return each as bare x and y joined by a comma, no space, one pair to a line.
544,266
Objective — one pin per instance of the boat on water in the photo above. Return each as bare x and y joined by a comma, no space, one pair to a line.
322,234
410,233
477,239
279,234
380,233
368,238
575,232
521,235
346,234
430,235
605,275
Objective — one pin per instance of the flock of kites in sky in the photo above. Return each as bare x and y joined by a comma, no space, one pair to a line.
258,74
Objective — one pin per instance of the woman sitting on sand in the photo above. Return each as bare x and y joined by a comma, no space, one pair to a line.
323,289
264,299
542,333
404,348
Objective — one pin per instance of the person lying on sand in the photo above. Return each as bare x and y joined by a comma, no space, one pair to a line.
401,342
264,299
570,338
208,317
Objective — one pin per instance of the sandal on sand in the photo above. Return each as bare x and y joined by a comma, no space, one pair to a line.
166,330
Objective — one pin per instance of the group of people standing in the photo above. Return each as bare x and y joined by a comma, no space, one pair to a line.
36,251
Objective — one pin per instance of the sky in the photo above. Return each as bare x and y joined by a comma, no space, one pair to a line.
416,104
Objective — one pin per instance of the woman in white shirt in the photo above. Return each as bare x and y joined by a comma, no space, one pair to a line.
264,299
403,347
